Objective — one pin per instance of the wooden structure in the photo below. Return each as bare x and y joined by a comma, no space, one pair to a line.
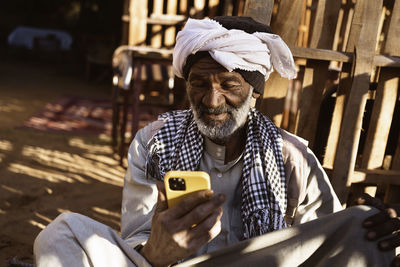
362,38
148,35
357,40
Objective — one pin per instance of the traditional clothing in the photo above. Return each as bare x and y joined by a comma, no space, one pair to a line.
179,146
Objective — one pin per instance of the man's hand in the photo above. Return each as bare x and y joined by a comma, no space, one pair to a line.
173,236
386,223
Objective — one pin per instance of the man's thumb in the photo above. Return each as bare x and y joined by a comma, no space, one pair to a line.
162,198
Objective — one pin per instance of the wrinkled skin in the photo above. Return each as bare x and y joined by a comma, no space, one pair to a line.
385,224
173,236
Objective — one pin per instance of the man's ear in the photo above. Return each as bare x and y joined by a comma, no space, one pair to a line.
256,95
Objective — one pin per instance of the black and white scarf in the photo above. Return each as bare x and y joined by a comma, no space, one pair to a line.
178,145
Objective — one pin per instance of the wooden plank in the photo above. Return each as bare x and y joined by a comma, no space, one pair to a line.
170,32
392,45
213,8
345,57
199,6
391,79
316,73
183,7
227,8
137,23
276,86
259,10
156,30
314,81
386,61
381,119
344,31
166,19
376,176
345,158
344,87
125,24
303,27
325,24
321,54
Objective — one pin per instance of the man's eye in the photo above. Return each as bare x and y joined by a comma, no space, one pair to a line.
229,85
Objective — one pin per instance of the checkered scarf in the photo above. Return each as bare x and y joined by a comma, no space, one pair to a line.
178,145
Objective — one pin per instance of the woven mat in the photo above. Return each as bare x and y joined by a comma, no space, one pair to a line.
80,115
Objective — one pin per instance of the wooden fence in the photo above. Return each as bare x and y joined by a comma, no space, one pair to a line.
346,99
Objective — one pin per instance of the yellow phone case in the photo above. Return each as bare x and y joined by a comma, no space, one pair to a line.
194,181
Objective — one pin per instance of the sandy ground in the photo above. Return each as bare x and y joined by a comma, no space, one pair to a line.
43,174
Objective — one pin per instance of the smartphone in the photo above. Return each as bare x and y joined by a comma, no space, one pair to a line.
180,183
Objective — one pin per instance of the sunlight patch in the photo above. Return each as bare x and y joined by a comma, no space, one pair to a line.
92,166
63,210
37,224
44,218
5,145
79,143
10,107
40,174
12,190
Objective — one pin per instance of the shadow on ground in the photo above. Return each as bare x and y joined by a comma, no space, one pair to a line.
41,173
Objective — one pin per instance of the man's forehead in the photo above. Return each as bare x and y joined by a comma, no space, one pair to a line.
208,65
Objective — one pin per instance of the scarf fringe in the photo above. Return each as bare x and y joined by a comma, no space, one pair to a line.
257,224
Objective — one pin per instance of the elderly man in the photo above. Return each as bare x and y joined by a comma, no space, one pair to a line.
263,178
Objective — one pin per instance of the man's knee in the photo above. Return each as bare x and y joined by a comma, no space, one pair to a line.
57,229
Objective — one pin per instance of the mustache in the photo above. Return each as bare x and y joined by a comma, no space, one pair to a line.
215,111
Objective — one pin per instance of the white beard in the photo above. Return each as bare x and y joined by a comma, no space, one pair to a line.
222,131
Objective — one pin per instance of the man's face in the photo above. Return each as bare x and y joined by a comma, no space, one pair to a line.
220,99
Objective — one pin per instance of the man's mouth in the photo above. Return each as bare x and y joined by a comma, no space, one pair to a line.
216,117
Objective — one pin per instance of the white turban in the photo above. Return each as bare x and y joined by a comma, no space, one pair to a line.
233,49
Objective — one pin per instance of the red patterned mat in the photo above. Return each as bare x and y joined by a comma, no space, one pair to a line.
79,115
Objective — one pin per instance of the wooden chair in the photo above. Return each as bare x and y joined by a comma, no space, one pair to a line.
152,28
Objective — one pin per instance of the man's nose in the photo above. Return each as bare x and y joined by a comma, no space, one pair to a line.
213,98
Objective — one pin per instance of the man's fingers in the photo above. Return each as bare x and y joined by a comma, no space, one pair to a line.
207,230
162,198
365,199
383,229
376,219
202,211
189,202
380,218
390,243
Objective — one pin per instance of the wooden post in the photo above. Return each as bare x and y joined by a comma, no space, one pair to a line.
381,119
156,30
276,86
227,8
170,33
259,10
345,158
199,9
316,72
213,8
344,88
384,106
137,23
125,23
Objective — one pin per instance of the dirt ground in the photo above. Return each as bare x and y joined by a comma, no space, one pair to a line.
43,174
